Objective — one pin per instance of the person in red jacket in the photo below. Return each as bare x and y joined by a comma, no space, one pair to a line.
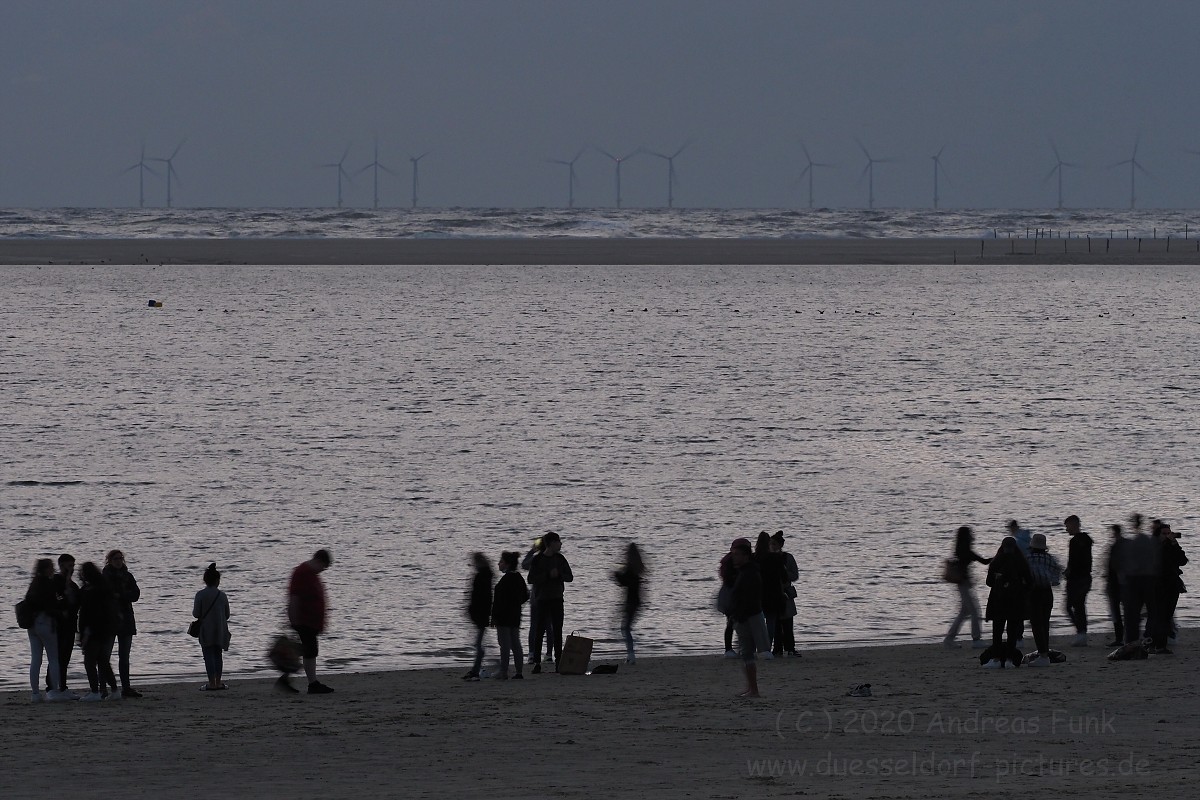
306,615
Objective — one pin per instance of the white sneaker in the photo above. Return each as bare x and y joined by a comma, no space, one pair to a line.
1080,640
979,644
91,697
60,696
115,694
731,654
995,663
1041,661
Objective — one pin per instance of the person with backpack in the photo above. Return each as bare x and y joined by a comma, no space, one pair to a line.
511,593
959,573
42,615
1046,573
211,610
1009,579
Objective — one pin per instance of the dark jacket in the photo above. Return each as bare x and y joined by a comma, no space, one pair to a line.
68,595
99,614
1010,580
42,598
1172,559
1079,559
633,590
774,577
479,607
1114,569
747,592
550,588
511,594
122,584
965,555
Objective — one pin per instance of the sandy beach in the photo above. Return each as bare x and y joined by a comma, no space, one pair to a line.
936,726
599,251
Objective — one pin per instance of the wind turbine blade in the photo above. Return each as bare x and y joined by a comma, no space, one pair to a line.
1050,174
1144,171
418,158
940,151
364,169
634,153
685,146
345,153
804,171
171,170
1070,164
863,174
558,161
605,152
150,170
863,148
804,148
175,152
389,170
581,151
130,169
656,153
1119,164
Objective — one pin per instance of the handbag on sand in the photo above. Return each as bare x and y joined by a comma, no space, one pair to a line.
576,653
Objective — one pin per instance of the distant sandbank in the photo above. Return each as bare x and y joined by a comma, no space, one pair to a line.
567,251
936,726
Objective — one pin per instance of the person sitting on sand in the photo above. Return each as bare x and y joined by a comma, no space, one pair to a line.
965,554
511,593
479,608
746,609
211,608
550,574
630,577
1046,573
1009,579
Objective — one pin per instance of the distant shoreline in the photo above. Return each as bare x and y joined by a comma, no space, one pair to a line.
599,251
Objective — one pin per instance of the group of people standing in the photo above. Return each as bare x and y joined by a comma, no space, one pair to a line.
499,604
1142,581
99,612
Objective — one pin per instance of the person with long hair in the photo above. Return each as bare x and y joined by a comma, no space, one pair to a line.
211,608
44,608
746,609
540,625
784,643
479,608
1009,579
550,573
965,555
630,577
99,619
122,583
774,575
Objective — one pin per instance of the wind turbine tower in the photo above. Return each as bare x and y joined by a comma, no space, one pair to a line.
341,171
672,180
809,168
1134,166
869,172
169,161
937,168
415,161
619,162
375,165
572,178
1058,168
142,167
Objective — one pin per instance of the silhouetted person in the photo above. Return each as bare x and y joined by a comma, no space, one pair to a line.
511,593
211,607
1009,578
306,614
122,584
99,620
630,577
774,576
1046,573
68,597
479,608
747,609
540,625
550,573
1113,580
784,642
728,574
43,607
1141,559
964,553
1079,578
1170,584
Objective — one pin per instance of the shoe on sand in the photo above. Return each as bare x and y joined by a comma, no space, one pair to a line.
91,697
1040,661
1080,640
285,685
731,654
316,687
995,663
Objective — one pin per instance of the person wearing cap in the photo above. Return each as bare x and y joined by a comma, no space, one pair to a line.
784,641
1079,578
1047,573
550,573
306,615
746,609
211,608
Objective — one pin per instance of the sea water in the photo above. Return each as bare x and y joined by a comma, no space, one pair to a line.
404,417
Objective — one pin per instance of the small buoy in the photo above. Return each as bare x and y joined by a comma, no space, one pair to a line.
154,304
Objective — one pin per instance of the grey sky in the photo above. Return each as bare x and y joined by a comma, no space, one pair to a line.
264,91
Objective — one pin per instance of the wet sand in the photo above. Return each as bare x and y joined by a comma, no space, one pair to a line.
937,726
597,251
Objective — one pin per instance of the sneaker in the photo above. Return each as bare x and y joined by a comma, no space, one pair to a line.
862,690
995,663
979,644
1040,661
285,685
1080,640
115,694
470,676
537,669
950,644
731,654
768,655
60,697
500,676
91,697
630,661
1160,651
37,697
316,687
129,691
518,677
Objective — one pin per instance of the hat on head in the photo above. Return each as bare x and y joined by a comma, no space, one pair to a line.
1037,541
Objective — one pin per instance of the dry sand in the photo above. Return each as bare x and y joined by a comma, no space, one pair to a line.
598,251
937,726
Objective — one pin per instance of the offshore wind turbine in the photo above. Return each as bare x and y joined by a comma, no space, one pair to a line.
1134,166
869,172
142,169
619,162
1058,167
376,166
572,178
169,161
672,180
415,161
937,168
809,169
341,171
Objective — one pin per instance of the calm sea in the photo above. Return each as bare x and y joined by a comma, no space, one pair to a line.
405,417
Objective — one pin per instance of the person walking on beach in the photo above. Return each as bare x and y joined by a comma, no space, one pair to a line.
211,608
965,555
550,573
99,620
1047,573
746,609
1079,578
630,577
774,576
539,623
43,608
1113,579
1009,579
306,615
68,596
479,608
1170,584
511,593
122,583
1141,559
784,642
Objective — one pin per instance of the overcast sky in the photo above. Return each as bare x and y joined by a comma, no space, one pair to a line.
264,91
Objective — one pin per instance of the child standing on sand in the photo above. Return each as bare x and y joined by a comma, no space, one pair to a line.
511,593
